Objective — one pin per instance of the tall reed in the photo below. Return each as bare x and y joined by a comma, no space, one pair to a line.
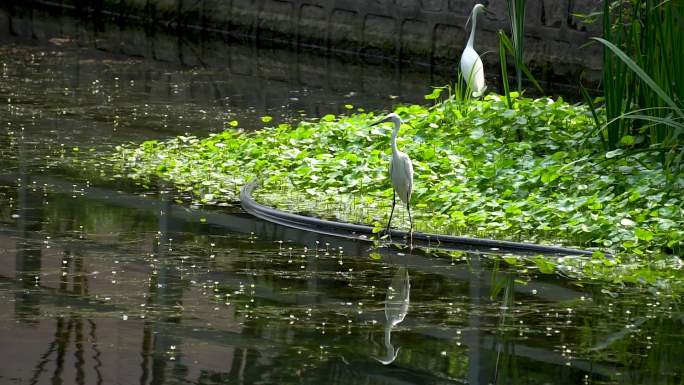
515,47
516,14
504,69
643,75
616,80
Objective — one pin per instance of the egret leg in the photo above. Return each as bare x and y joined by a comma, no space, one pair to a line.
394,201
408,207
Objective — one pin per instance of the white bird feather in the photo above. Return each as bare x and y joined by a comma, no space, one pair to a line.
471,64
400,170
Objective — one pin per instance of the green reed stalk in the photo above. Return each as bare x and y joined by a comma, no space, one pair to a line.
516,13
614,79
643,79
504,70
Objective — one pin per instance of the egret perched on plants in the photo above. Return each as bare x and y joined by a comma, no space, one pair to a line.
401,172
471,64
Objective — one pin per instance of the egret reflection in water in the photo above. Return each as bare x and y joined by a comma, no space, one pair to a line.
396,308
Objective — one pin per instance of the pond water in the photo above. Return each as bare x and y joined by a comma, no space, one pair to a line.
103,284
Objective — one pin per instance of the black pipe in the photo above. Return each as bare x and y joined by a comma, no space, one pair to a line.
365,233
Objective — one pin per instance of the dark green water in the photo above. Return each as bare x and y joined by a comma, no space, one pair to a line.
105,284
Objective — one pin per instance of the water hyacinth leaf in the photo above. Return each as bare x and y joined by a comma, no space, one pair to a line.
549,176
643,234
544,265
436,92
477,133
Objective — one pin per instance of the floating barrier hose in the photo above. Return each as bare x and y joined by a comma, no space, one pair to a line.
365,233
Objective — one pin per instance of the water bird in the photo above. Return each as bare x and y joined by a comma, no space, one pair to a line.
396,307
471,64
401,172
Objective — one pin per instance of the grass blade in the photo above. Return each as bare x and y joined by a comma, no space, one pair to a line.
504,70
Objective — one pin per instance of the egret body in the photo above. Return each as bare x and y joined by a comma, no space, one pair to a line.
471,64
401,171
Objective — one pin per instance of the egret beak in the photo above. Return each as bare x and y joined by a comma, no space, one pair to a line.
380,122
487,11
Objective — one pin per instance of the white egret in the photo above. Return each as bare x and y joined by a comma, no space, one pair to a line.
401,172
471,64
396,307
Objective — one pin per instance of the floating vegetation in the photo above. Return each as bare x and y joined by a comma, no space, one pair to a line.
473,176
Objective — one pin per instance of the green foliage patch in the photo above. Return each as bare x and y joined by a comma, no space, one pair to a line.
473,176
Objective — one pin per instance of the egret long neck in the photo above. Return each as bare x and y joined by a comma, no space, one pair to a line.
393,141
388,334
471,39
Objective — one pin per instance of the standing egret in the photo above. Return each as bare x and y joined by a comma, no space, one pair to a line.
471,64
401,172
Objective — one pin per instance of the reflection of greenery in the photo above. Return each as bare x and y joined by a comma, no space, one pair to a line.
505,369
66,214
287,352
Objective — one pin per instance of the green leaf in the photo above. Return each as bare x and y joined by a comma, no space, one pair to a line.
549,176
643,234
545,266
436,92
477,133
627,140
598,254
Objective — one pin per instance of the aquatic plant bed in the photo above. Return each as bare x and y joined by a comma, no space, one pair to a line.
413,239
527,173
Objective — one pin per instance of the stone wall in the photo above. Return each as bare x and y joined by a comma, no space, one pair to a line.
423,32
429,32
